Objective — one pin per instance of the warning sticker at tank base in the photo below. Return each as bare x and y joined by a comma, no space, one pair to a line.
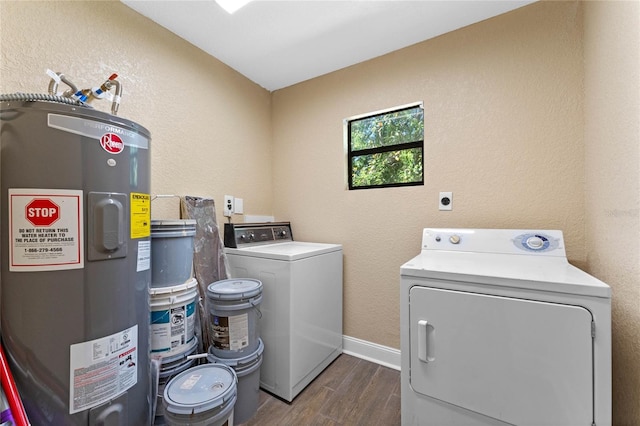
102,369
45,229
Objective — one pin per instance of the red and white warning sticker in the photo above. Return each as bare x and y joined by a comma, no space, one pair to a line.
45,229
102,369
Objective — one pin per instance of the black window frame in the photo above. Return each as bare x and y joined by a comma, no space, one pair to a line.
382,149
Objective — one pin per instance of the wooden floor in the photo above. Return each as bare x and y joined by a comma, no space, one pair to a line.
351,391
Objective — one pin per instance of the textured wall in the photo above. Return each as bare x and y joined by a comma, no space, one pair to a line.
205,119
612,145
503,131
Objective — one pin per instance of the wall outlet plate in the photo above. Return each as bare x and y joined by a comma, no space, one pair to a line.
228,205
238,205
445,201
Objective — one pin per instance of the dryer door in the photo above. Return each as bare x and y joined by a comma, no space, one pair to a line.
520,361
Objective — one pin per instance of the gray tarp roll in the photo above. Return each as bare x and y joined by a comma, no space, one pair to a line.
209,260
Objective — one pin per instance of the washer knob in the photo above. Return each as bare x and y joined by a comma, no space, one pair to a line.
454,239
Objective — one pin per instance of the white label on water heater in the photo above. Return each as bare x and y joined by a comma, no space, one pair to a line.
144,256
102,369
45,229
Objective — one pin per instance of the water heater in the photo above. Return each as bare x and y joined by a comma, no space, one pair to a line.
75,250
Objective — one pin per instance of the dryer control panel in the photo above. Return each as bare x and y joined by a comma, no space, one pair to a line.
249,234
504,241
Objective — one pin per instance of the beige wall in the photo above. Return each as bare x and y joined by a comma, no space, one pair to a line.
503,132
612,145
204,117
510,129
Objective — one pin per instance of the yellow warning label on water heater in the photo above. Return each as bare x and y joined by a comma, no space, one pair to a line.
140,215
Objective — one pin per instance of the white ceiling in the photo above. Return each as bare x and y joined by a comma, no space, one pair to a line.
280,43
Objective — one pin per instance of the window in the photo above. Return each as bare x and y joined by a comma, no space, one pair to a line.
386,148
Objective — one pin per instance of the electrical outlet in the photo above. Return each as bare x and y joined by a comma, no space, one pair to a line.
228,205
445,201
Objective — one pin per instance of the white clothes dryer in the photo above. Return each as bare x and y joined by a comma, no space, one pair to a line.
301,323
497,328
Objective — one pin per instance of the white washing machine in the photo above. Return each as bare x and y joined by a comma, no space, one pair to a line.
497,328
301,324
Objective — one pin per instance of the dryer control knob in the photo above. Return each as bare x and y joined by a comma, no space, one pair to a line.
535,242
454,239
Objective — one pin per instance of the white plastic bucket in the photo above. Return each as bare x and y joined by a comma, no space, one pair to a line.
248,371
233,309
173,318
201,396
170,367
171,251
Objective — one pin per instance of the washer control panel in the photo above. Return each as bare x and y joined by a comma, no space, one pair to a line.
246,234
507,241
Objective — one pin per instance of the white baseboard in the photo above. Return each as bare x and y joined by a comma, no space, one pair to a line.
383,355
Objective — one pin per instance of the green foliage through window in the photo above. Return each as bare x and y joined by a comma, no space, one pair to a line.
386,149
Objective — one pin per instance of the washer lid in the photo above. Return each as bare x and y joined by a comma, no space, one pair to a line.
294,250
200,389
552,274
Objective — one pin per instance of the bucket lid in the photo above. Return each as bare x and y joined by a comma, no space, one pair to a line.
168,290
175,369
173,225
233,289
237,362
200,389
181,356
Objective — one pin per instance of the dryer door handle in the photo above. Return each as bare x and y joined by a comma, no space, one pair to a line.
425,345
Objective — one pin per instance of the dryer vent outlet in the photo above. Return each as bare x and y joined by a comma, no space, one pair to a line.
445,201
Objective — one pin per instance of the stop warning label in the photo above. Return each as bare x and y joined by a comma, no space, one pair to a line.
45,229
42,212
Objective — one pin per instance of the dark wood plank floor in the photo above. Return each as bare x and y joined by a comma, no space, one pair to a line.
351,391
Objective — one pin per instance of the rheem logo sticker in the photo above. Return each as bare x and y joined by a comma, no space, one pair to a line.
112,143
42,212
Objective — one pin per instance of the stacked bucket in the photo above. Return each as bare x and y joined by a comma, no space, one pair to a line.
204,395
187,394
173,299
233,307
227,388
